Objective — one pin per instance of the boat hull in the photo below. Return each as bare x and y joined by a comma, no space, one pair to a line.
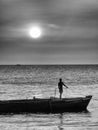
52,105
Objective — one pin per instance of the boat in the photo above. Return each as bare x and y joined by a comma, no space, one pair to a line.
50,105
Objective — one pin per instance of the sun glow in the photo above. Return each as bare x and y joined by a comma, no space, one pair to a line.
35,32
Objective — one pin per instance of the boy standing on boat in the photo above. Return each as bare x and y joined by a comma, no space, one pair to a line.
60,86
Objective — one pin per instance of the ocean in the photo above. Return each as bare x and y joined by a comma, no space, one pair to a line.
27,81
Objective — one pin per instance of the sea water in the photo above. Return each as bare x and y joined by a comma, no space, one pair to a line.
28,81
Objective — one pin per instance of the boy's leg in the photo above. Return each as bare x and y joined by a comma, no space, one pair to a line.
60,95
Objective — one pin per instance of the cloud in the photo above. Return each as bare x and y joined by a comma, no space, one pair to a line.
51,12
69,27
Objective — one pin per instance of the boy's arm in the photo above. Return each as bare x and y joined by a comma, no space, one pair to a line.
65,85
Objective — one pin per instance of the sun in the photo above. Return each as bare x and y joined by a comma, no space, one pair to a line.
35,32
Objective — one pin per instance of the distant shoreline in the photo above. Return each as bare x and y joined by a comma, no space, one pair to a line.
47,64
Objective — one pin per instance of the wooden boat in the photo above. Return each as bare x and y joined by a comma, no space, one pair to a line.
51,105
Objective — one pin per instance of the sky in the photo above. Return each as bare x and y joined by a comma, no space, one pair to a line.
69,31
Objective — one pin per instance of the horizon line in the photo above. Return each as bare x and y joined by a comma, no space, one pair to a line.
52,64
